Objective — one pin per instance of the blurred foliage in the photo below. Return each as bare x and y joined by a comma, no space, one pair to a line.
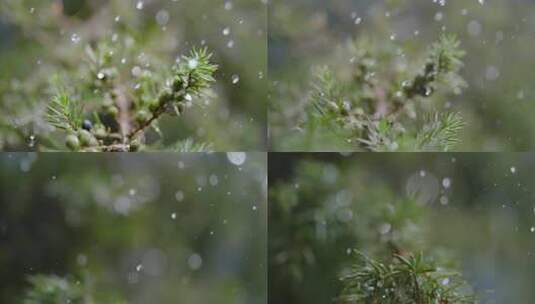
114,57
396,36
132,229
377,108
347,228
406,280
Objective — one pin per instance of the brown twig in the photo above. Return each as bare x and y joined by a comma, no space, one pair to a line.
123,104
155,115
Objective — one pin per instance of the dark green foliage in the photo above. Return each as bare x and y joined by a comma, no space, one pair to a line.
405,280
90,229
64,113
52,290
443,66
189,145
440,132
327,214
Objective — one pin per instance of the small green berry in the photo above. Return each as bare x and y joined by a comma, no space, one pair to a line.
165,97
142,116
100,132
87,139
112,110
72,142
154,105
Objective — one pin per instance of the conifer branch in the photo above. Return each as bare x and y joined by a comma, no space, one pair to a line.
380,108
192,75
445,59
440,132
53,289
406,279
189,145
115,126
64,113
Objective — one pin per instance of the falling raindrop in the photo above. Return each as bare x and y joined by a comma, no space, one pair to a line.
492,73
75,38
446,182
195,261
235,79
31,142
136,71
214,180
237,158
139,267
193,63
474,28
179,196
162,17
140,5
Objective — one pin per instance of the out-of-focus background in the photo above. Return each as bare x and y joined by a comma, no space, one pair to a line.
474,213
166,228
39,39
497,35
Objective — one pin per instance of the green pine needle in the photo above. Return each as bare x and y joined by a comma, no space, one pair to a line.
440,132
189,145
405,280
64,113
53,289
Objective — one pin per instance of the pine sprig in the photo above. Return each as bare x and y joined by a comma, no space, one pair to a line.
409,279
116,118
195,73
326,92
53,289
189,145
191,76
375,106
440,132
64,113
444,63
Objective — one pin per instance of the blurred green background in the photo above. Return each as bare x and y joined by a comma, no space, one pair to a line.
471,212
41,38
497,36
166,228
